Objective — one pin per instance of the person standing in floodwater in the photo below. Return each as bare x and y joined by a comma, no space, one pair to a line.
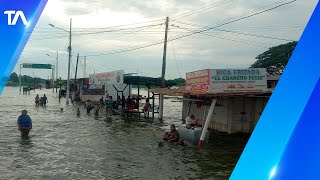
129,104
24,124
45,100
37,99
101,102
123,103
88,106
109,105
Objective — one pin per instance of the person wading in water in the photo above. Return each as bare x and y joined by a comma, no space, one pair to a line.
24,124
37,99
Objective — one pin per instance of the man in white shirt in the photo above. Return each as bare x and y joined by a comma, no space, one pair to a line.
189,120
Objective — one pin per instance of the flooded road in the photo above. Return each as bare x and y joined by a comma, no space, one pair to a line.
62,146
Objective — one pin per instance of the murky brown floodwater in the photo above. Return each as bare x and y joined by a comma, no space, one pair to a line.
62,146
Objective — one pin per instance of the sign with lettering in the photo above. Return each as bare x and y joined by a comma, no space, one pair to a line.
198,81
226,80
37,66
238,80
115,77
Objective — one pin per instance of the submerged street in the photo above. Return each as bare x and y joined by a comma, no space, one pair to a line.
62,146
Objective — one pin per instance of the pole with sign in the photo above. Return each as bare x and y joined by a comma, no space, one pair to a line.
36,66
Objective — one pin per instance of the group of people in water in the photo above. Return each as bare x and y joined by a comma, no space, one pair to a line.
41,101
25,123
108,103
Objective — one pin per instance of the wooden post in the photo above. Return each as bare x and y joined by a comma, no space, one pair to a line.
153,105
230,101
163,70
149,101
139,99
20,78
205,127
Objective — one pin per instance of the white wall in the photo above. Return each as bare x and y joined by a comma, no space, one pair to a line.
113,92
93,98
227,115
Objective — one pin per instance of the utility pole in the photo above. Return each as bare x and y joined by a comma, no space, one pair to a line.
163,69
20,77
68,80
57,57
57,67
53,78
75,77
85,67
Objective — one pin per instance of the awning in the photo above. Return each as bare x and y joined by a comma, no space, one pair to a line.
181,91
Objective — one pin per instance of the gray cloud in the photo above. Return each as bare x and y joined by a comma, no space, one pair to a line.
187,54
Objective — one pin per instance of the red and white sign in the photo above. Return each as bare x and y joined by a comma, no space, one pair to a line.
226,80
198,81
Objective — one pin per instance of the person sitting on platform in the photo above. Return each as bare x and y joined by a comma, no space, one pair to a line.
173,136
191,121
146,107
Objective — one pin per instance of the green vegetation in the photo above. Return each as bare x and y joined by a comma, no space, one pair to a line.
275,55
25,80
152,82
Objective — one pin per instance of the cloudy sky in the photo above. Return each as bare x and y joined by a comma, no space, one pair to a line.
104,31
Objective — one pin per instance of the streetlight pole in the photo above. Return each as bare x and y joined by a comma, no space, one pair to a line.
53,68
56,65
57,57
85,67
69,62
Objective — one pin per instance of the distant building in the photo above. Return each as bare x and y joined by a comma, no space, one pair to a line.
272,81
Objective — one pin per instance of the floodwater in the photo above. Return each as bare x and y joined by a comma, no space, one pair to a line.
62,146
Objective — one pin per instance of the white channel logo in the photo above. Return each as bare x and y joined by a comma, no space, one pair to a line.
13,17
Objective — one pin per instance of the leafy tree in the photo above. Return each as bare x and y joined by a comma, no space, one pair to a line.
275,56
14,77
14,80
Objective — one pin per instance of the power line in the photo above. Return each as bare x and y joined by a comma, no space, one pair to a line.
255,35
233,20
202,9
235,40
117,36
175,59
247,34
109,27
259,28
124,30
116,30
